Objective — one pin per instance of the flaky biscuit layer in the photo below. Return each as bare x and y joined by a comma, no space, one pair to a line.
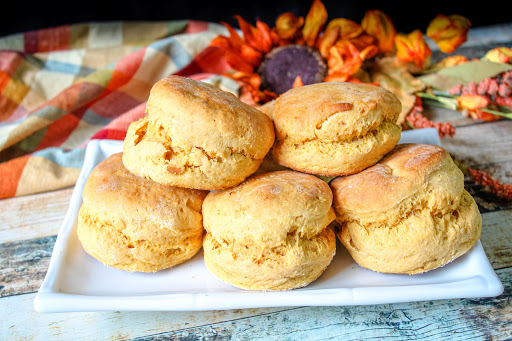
135,224
196,136
407,214
271,232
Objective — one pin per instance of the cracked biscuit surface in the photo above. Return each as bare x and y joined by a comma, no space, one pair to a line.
135,224
407,214
272,232
196,136
334,128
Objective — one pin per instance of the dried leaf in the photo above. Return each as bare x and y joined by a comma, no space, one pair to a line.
392,75
473,71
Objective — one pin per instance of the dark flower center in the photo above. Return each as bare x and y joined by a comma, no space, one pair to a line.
282,65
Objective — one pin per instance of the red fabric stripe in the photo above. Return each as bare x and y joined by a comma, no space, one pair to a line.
58,132
110,134
11,173
31,41
196,26
125,69
211,60
54,39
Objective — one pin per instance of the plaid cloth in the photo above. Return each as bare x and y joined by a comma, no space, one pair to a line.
61,87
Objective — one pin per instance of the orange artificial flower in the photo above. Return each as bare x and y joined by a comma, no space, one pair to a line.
288,26
315,21
412,48
259,37
366,44
343,61
380,26
239,55
499,55
297,83
448,32
250,88
338,29
453,60
473,104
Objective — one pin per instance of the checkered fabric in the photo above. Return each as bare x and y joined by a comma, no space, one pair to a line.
62,87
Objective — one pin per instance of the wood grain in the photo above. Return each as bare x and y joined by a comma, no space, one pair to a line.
487,147
496,238
33,216
465,319
481,319
23,265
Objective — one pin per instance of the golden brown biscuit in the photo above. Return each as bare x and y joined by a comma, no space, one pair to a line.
407,214
334,128
135,224
271,232
196,136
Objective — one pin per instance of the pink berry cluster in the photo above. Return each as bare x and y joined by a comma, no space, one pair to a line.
497,89
417,120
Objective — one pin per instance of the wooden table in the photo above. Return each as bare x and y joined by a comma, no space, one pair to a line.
29,225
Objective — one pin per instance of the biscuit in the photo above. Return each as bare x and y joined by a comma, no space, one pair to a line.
334,128
271,232
407,214
135,224
196,136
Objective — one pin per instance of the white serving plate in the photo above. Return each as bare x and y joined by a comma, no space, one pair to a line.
77,282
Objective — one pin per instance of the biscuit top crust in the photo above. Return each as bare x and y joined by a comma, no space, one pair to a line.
118,194
333,111
199,114
409,170
270,207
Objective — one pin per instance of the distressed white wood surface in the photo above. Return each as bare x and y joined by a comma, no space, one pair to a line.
33,216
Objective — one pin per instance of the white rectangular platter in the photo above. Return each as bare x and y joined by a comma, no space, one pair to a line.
77,282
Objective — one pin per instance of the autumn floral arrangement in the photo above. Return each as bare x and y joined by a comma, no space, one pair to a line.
268,61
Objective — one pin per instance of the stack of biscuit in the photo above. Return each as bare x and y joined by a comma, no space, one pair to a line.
204,169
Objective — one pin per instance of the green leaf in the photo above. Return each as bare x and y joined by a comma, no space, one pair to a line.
440,101
498,113
475,71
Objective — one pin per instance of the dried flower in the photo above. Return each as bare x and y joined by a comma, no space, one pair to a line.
484,100
288,26
379,25
315,21
297,83
338,29
499,55
448,32
412,48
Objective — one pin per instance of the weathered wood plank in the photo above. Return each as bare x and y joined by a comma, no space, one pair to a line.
480,319
496,238
487,147
17,310
466,319
33,216
23,265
